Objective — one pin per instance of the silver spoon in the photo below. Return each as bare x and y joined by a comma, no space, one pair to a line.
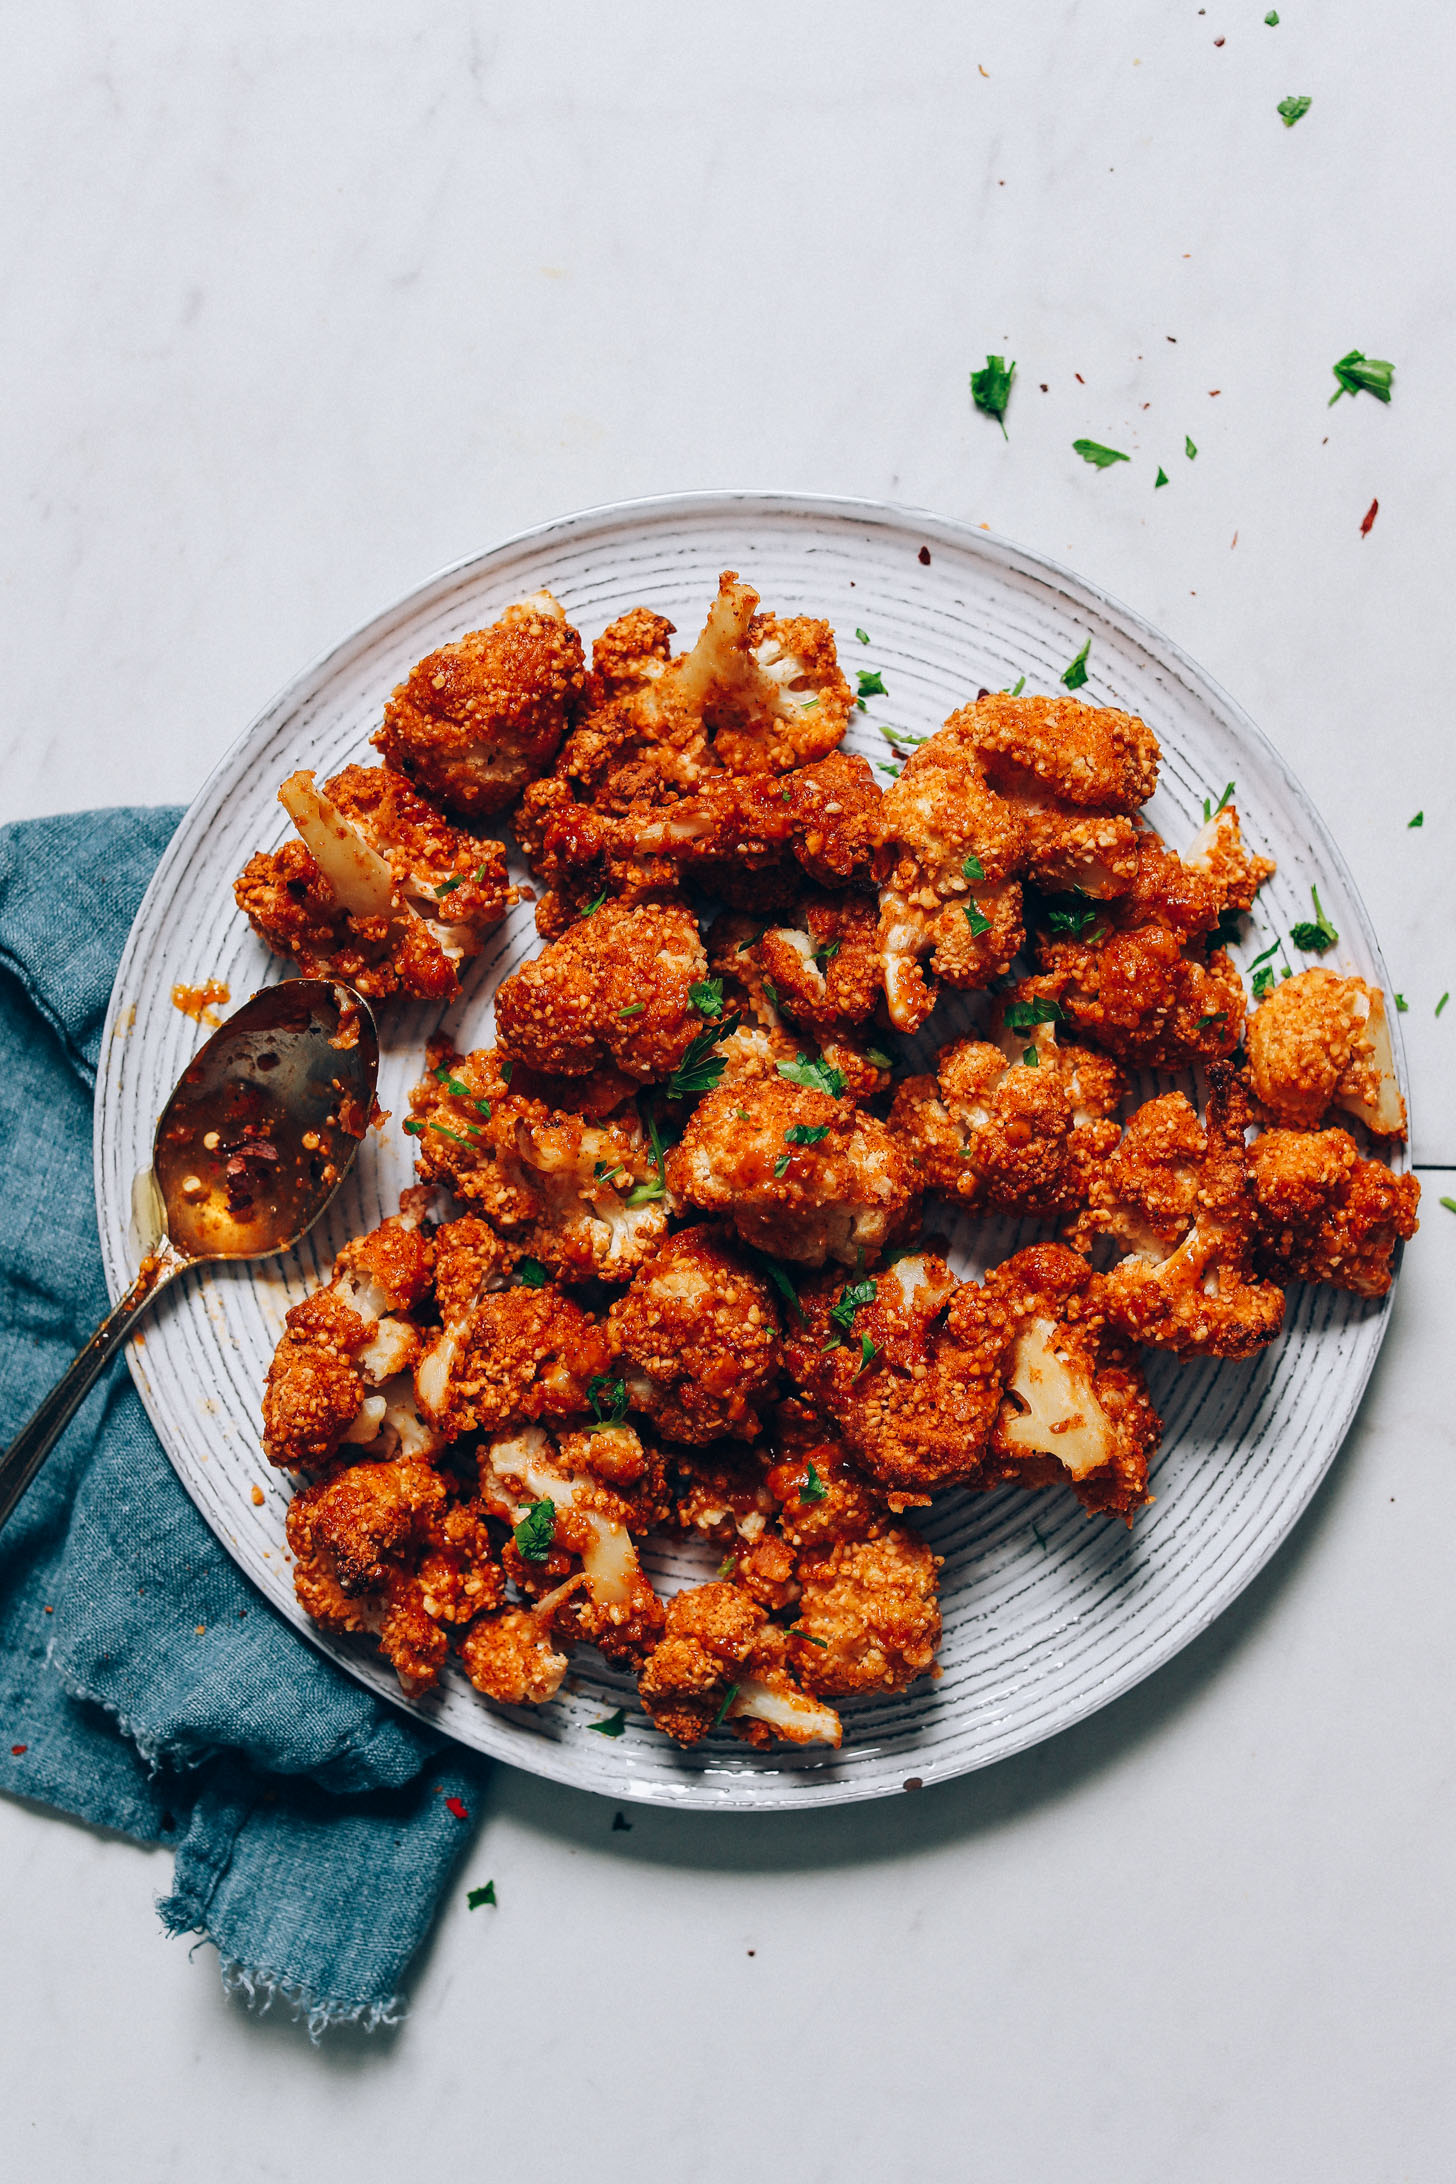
260,1131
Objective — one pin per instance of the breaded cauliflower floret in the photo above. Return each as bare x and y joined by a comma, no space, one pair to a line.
617,986
823,1494
948,887
868,1614
1326,1215
1075,774
800,1175
764,1043
720,1659
590,1536
507,1354
819,961
696,1338
1321,1041
512,1656
380,891
475,721
1007,1134
1143,981
1176,1197
1217,851
382,1548
914,1394
755,694
341,1372
721,1494
583,1197
1075,1407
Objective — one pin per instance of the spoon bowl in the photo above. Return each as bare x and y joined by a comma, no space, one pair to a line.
257,1136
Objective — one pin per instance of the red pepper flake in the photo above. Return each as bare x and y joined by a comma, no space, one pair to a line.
923,557
17,1749
1213,391
453,1805
1081,382
1218,41
1370,514
1233,541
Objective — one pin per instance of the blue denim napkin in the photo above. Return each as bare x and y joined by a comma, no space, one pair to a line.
144,1684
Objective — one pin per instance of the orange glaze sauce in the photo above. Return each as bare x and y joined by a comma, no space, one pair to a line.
201,1002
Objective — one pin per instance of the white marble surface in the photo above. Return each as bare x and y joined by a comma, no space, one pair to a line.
306,300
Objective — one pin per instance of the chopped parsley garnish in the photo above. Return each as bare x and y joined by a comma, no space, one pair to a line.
1032,1060
841,1314
700,1068
413,1127
781,1165
812,1487
459,1091
1292,110
440,1131
900,735
706,995
773,1272
815,1076
826,955
508,1068
478,1896
797,1630
535,1532
1272,18
1102,458
1263,983
1161,478
594,904
1361,374
1075,675
863,636
1209,810
876,1057
1226,932
728,1697
1418,821
612,1725
805,1133
1316,934
1442,1002
533,1274
867,1353
1402,1006
647,1192
772,993
976,919
1021,1015
1449,1204
633,1008
608,1399
604,1170
1016,688
973,868
727,1566
871,684
1219,1016
991,389
888,766
1075,919
1188,448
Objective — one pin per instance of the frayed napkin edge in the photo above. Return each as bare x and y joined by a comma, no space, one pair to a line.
260,1988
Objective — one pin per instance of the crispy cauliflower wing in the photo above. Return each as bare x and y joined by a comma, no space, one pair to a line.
341,1373
770,687
616,987
720,1493
1217,851
697,1340
1143,981
764,1042
584,1197
590,1536
383,1548
379,890
948,888
1177,1198
818,963
1017,1133
1075,774
1075,1408
800,1174
1321,1041
1326,1215
867,1617
475,721
506,1355
513,1657
912,1386
720,1659
823,1495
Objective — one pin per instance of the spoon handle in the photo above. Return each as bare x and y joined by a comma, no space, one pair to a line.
35,1440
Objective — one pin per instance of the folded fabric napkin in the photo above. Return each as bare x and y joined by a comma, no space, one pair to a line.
144,1684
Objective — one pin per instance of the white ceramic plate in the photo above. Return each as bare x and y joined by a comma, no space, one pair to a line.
1048,1613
